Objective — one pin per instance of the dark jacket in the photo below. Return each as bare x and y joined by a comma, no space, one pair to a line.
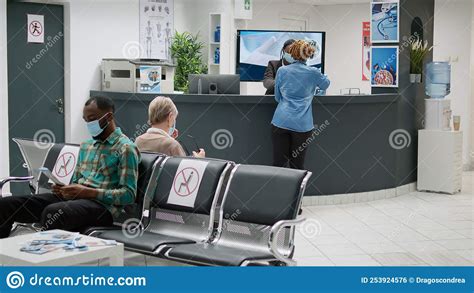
270,74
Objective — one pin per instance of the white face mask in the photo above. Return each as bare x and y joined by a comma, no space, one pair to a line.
94,127
288,58
172,129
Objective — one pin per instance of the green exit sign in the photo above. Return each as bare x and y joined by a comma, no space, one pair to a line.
247,4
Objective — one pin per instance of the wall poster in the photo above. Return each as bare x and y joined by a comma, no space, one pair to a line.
366,50
384,66
156,28
150,79
385,21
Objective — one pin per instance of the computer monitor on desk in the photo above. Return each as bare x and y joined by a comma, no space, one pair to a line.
217,84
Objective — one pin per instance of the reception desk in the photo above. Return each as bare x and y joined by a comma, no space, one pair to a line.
350,151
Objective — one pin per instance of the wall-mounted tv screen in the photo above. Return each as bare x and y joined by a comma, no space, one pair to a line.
256,47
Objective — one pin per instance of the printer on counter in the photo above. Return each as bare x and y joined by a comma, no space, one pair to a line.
137,76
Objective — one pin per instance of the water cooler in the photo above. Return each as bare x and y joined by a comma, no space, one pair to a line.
438,114
439,148
438,86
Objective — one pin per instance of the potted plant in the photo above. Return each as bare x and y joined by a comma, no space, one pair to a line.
186,49
418,52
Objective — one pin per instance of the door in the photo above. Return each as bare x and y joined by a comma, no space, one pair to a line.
35,80
292,23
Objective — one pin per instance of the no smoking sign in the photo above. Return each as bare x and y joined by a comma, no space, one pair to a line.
186,182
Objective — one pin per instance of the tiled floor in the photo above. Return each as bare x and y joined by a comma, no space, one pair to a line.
411,230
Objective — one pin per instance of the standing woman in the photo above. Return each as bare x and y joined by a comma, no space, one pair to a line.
295,88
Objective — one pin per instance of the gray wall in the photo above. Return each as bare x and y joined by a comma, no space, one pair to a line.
352,154
410,105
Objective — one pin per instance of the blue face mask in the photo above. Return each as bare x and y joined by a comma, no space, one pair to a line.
288,58
94,127
172,129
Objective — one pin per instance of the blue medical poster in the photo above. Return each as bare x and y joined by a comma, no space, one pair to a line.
384,66
385,21
150,79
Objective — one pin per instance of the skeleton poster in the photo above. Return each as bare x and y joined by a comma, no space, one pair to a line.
156,28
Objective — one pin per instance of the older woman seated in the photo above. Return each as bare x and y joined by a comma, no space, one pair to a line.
161,137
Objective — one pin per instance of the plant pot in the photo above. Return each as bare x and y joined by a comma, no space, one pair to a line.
415,78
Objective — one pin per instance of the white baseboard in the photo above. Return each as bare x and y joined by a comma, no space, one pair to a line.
358,197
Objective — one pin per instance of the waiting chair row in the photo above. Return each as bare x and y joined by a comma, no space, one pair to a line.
225,214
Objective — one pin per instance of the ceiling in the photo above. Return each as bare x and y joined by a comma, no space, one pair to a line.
317,2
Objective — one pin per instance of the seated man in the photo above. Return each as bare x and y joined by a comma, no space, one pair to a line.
105,179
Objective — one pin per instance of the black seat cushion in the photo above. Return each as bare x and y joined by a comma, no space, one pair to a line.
147,242
145,170
254,187
215,255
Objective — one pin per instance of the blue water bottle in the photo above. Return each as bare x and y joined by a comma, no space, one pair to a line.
217,34
438,79
217,57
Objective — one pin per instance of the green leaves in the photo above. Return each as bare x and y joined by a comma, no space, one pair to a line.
187,50
418,52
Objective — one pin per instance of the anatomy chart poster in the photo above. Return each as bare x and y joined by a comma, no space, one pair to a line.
385,21
156,28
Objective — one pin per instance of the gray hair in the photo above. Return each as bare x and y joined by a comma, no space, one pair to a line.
160,108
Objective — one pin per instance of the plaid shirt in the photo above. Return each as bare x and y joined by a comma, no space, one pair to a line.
111,167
